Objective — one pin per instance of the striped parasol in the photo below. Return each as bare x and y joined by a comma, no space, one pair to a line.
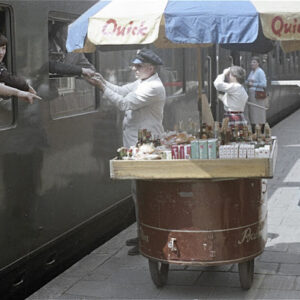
185,22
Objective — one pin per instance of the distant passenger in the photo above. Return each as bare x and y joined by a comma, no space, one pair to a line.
143,103
235,98
256,82
6,77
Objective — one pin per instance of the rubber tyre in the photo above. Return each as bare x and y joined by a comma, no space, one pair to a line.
246,271
159,272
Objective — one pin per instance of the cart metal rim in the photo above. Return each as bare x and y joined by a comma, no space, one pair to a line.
204,263
198,231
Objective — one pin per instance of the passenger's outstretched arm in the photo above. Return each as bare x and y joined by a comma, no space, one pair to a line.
8,91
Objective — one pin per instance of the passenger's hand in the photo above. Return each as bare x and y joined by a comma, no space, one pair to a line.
88,72
31,90
28,97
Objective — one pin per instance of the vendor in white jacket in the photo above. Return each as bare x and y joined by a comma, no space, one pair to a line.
143,103
142,100
235,97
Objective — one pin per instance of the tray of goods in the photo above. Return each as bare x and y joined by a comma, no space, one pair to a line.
212,154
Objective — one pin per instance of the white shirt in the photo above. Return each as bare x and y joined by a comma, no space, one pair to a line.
235,96
143,102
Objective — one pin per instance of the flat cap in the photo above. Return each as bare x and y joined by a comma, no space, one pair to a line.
147,56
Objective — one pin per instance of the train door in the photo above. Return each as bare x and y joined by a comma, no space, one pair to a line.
7,105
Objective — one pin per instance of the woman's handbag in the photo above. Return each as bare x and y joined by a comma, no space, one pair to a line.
260,95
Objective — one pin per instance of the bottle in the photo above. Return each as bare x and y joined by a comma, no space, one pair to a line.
140,138
228,136
268,135
204,135
235,133
216,130
258,134
209,130
148,137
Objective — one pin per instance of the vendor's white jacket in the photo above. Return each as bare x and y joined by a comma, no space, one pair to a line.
143,103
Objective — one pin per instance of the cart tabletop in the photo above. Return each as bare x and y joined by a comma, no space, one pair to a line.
195,169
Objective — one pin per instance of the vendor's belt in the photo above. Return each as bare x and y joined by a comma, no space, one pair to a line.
234,112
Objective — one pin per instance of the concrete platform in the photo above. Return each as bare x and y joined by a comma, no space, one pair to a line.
109,273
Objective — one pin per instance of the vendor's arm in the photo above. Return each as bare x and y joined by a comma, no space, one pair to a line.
99,81
121,90
141,97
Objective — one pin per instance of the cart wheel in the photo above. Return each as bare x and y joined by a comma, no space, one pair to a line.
159,272
246,270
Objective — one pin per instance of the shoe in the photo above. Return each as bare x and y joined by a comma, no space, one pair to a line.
134,250
132,242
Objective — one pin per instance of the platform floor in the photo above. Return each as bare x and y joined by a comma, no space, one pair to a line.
109,273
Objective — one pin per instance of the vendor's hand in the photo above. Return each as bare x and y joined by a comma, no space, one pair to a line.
31,90
96,81
88,72
100,77
27,96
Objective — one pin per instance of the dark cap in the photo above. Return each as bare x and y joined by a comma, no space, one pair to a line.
147,56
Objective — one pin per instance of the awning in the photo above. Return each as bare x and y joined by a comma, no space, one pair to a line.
184,22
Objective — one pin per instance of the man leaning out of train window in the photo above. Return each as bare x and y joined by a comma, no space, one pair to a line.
62,62
6,77
235,98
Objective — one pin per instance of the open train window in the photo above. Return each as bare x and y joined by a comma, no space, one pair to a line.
69,93
6,104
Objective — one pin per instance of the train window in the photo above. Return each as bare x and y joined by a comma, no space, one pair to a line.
172,73
115,66
69,93
6,104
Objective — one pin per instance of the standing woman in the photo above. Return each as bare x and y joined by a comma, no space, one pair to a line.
235,98
256,82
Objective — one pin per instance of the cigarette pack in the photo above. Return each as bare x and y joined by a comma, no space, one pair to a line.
203,147
195,152
212,148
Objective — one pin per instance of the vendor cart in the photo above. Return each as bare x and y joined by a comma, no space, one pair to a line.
200,212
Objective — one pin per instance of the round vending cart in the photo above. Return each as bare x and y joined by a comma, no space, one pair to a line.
200,212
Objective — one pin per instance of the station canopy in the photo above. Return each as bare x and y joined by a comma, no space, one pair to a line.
241,24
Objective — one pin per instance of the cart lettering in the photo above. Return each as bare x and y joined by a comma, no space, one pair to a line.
279,27
144,236
111,27
248,236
